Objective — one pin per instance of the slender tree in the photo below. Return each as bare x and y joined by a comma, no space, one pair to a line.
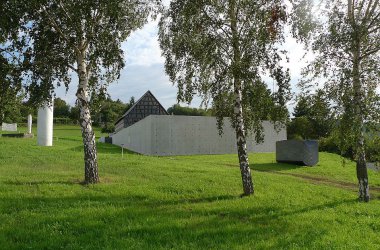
321,115
84,38
313,116
347,45
303,106
61,108
219,49
10,63
10,88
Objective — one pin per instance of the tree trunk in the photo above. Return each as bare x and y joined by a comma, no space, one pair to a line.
361,172
1,114
238,109
361,166
242,144
90,154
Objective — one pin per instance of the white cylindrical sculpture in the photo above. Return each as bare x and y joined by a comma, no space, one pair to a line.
29,124
45,125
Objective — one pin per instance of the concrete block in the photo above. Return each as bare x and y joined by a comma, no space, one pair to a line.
11,127
297,152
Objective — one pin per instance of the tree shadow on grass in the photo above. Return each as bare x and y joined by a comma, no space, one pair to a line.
76,139
44,182
112,221
66,128
36,183
234,228
275,166
269,166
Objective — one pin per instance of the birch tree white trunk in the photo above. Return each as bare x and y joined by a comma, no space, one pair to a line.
238,108
361,166
90,153
361,171
242,144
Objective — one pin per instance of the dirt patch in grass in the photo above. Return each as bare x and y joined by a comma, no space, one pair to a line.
315,179
323,180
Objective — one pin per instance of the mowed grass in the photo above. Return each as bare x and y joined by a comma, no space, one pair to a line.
182,202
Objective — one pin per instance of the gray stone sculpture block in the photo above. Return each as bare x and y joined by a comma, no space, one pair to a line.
297,152
12,127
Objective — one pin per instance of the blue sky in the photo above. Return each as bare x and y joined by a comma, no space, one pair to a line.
145,70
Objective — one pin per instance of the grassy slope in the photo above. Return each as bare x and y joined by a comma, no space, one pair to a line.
175,202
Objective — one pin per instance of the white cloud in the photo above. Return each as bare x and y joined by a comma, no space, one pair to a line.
136,79
142,47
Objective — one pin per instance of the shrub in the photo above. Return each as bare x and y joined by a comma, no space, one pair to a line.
373,149
108,128
296,137
329,144
62,121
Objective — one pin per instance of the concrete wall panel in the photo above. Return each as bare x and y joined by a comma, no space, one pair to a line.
189,135
271,136
136,137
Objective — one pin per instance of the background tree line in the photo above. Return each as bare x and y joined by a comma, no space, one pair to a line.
105,112
313,117
316,118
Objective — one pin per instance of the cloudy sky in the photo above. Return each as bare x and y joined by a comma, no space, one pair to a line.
145,70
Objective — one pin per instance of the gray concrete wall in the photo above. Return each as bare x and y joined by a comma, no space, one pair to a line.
189,135
137,137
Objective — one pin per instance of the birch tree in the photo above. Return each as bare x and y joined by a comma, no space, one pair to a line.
83,38
220,49
10,63
347,45
10,88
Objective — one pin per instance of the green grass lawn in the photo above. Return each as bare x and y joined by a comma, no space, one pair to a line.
182,202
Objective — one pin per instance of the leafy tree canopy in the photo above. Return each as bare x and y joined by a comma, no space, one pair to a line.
61,108
60,30
177,109
347,50
314,117
11,65
206,51
82,37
